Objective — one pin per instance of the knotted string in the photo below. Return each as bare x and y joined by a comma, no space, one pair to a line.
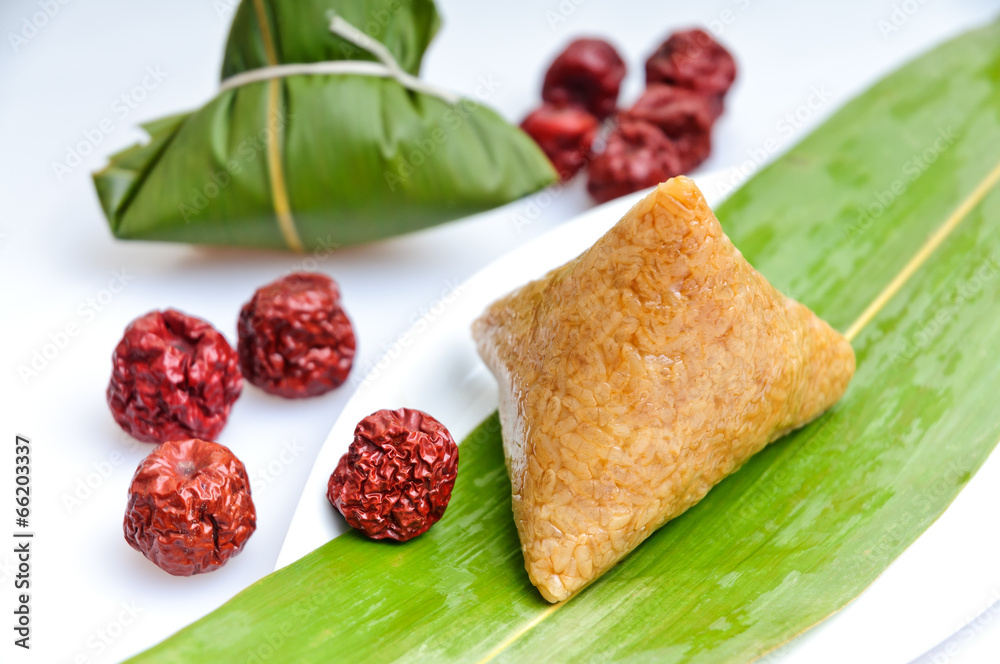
386,67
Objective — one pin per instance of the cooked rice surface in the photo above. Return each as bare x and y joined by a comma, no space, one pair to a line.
639,375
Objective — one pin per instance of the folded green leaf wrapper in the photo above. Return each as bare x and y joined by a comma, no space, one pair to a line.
317,160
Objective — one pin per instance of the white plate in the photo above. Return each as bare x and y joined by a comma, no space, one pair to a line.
939,584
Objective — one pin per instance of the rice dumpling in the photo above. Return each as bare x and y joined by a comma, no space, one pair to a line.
639,375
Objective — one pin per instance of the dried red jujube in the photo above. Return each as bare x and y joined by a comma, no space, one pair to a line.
295,340
588,73
565,135
692,59
685,117
189,507
637,155
395,480
173,377
676,111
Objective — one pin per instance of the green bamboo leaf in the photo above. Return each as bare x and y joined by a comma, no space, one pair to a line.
299,33
318,160
121,180
806,524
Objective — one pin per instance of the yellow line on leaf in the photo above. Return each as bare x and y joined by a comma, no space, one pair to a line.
282,208
933,242
265,32
518,634
275,166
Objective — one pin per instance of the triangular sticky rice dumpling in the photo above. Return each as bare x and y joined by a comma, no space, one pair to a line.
636,377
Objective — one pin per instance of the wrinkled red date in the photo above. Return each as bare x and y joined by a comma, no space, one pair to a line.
692,59
588,73
189,507
674,110
685,117
295,340
173,376
637,155
395,481
565,135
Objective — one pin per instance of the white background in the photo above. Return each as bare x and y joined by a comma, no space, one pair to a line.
58,258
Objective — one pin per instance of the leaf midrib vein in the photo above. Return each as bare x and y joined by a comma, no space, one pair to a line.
276,171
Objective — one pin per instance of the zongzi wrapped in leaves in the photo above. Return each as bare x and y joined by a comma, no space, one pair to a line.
636,377
319,138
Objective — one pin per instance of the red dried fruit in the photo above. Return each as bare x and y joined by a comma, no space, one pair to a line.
295,340
564,134
588,73
686,118
637,155
189,507
692,59
395,480
674,110
173,376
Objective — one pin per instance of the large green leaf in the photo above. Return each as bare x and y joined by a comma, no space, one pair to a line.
806,524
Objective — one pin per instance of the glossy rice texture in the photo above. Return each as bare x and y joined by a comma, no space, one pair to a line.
636,377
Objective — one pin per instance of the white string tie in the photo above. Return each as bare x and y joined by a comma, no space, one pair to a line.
386,67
